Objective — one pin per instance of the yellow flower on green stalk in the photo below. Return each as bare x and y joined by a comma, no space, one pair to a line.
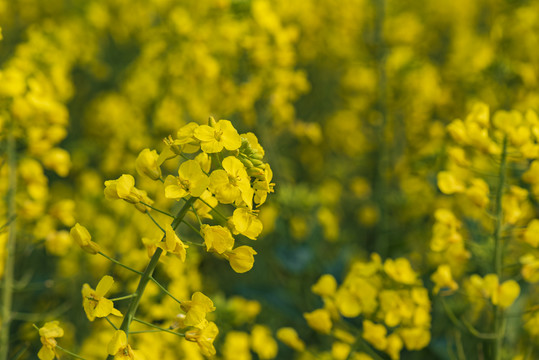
48,334
83,238
246,223
232,184
196,309
191,181
319,320
263,185
173,244
443,279
204,338
375,334
221,135
289,337
217,238
119,347
241,258
124,188
262,343
94,302
185,138
147,165
506,294
205,204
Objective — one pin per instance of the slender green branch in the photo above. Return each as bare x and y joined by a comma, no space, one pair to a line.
192,227
464,325
144,331
145,277
155,222
123,297
119,263
499,322
214,209
164,289
70,353
9,265
111,323
158,327
196,214
156,209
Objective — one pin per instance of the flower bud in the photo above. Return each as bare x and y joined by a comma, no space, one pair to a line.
82,237
146,164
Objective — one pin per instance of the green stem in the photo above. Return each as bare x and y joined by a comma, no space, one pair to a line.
164,289
214,209
158,327
70,353
196,215
123,297
9,270
192,227
146,276
155,222
499,321
156,209
111,323
119,263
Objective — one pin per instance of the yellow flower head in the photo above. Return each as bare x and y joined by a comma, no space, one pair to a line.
119,347
173,244
191,180
246,223
375,334
124,188
48,334
82,237
221,135
217,238
196,309
204,338
147,165
241,258
263,343
232,184
94,302
400,270
444,280
325,286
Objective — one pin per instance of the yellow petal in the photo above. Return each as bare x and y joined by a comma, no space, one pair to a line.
104,285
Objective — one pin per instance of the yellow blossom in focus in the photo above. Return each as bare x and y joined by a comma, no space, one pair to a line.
94,302
173,244
48,334
191,181
82,237
221,135
204,338
196,309
217,238
232,184
146,164
290,337
241,258
119,347
246,223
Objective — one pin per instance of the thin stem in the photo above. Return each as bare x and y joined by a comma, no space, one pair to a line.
196,215
155,222
123,297
214,209
119,263
499,321
156,209
70,353
192,227
144,331
145,277
9,270
111,323
464,325
158,327
164,289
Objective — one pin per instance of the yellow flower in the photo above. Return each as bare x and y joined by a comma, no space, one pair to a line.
263,343
232,184
204,338
214,138
478,192
119,347
217,238
82,237
449,184
263,185
147,165
375,334
185,138
48,334
394,346
173,244
415,338
531,234
196,309
94,302
124,188
237,346
290,337
191,180
325,286
400,270
506,294
241,258
530,267
246,223
443,280
319,320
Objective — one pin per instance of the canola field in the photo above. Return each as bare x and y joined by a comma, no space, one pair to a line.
269,179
